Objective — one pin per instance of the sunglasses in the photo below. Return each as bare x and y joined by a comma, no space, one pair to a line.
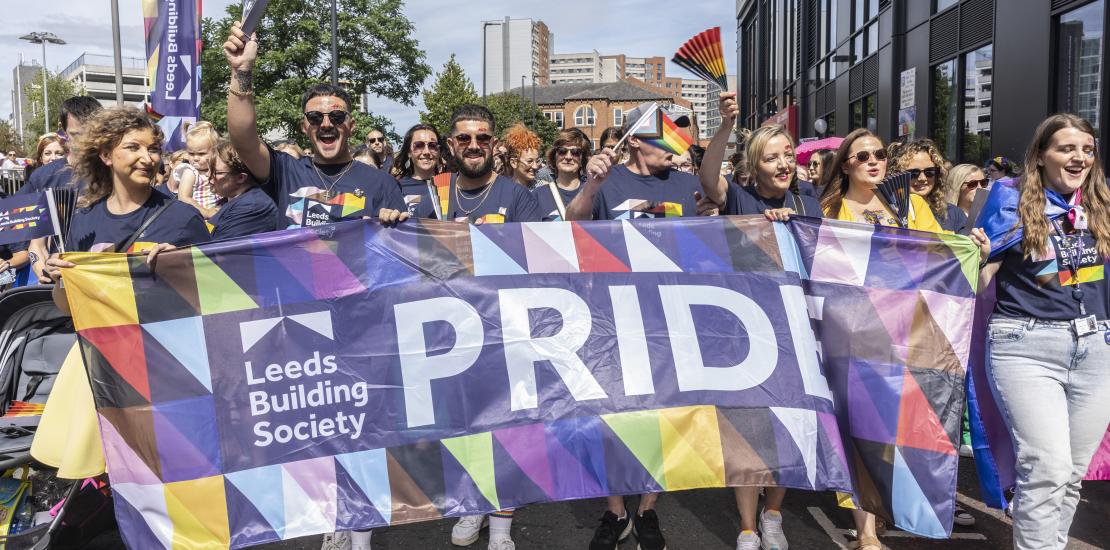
316,118
422,145
865,156
916,172
374,140
971,184
465,139
560,151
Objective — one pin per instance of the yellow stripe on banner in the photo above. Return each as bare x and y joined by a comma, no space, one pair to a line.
198,510
692,456
99,290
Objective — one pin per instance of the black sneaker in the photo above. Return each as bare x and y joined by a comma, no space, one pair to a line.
648,535
611,532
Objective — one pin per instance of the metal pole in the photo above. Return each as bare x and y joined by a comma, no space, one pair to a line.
116,53
522,98
534,108
334,45
45,94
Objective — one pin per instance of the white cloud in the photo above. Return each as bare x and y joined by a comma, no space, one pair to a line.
633,27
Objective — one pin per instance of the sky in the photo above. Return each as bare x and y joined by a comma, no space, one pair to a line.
639,28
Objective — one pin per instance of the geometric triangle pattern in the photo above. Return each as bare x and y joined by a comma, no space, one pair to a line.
879,314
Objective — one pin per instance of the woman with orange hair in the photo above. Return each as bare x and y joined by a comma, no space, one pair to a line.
524,155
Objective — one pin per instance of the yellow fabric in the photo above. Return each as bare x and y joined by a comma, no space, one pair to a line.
198,510
68,437
103,279
921,217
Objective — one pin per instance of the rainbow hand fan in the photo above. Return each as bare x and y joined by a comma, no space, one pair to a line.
704,56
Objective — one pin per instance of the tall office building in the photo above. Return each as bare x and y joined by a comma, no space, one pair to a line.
513,49
26,100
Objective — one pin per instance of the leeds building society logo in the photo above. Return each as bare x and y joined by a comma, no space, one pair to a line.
253,331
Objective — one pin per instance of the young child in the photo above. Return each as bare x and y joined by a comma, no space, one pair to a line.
194,186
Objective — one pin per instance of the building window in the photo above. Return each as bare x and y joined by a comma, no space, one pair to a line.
976,140
556,117
945,101
864,112
618,116
942,5
961,106
584,116
1079,62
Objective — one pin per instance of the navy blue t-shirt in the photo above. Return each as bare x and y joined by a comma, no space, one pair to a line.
1042,285
625,195
955,220
250,213
306,197
741,201
807,188
503,201
549,211
95,229
56,173
414,191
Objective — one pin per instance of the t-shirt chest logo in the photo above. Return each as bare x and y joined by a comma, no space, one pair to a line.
642,208
1061,254
314,206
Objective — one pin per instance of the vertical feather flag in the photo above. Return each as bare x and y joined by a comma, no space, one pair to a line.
704,56
172,29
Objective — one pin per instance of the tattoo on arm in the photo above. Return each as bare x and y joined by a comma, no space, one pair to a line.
245,80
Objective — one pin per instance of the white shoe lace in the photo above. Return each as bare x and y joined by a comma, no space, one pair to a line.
772,527
747,543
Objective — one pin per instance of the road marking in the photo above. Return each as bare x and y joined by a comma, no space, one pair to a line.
839,536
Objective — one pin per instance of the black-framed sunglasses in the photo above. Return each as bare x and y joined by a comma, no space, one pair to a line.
560,151
916,172
865,156
971,184
428,145
465,139
316,118
375,140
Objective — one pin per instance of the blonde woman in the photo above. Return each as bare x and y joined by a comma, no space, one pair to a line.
963,181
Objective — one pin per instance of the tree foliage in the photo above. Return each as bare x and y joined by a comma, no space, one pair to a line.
9,141
450,89
58,90
377,55
509,109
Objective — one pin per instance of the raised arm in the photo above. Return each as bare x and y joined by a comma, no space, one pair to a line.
597,169
714,185
242,127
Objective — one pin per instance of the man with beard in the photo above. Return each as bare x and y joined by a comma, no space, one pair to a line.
643,187
476,193
326,188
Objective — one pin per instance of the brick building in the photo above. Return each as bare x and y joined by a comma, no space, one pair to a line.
593,107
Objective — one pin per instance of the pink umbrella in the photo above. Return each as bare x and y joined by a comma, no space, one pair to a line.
805,150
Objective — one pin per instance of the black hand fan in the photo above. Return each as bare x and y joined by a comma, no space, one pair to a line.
894,191
63,201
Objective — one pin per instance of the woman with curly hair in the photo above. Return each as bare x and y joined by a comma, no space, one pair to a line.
928,171
523,147
49,148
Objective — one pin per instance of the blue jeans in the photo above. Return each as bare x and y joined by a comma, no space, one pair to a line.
1054,390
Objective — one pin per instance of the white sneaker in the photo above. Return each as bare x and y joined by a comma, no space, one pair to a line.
501,544
770,530
465,531
340,540
747,541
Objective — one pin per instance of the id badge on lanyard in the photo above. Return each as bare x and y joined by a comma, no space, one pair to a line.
1071,249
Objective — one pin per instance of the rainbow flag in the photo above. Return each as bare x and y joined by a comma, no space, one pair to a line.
668,135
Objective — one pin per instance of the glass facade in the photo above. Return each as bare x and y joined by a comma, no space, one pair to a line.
1079,61
942,5
978,74
943,124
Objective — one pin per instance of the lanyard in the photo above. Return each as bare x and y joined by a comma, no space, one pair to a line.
1073,254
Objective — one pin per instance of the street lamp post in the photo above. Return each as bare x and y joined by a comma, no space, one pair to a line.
43,38
334,45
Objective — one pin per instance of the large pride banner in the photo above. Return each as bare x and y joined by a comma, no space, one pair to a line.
352,376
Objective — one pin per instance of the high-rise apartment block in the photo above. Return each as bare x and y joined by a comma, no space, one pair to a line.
512,50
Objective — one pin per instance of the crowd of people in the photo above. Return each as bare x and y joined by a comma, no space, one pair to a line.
1045,337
